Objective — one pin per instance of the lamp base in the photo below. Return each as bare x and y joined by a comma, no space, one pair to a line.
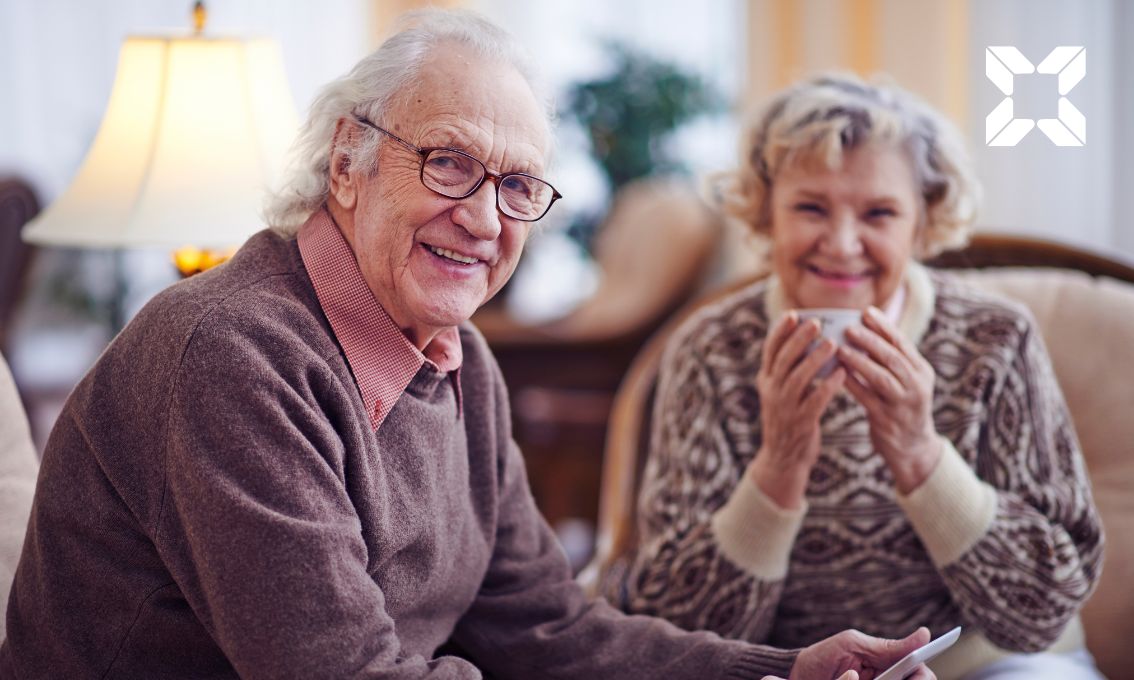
190,260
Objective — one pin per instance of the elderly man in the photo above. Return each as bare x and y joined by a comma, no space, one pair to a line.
300,464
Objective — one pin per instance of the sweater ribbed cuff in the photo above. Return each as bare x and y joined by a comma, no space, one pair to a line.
756,661
952,509
755,533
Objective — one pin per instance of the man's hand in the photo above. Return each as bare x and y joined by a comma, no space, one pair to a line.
852,655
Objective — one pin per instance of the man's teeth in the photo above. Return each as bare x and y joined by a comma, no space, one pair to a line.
454,256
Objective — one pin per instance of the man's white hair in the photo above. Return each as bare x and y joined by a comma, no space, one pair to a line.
371,89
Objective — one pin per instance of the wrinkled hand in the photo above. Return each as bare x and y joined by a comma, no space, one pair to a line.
894,383
791,403
849,675
856,656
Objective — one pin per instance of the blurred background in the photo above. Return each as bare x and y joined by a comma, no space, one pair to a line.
651,96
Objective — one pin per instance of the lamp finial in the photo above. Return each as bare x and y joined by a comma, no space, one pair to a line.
199,16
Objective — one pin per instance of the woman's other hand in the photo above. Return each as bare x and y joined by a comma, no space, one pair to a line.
894,383
791,403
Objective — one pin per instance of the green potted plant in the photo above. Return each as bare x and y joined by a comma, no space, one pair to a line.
628,114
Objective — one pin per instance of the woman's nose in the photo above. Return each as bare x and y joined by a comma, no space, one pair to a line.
843,238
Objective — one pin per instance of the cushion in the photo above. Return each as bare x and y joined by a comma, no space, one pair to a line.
19,466
1088,326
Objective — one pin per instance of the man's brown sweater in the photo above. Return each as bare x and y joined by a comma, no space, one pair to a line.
214,502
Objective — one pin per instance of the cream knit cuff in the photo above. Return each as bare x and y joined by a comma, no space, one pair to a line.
952,509
755,533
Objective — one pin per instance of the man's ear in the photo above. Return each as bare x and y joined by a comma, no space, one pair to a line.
343,182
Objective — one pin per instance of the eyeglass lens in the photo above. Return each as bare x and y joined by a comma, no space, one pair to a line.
455,175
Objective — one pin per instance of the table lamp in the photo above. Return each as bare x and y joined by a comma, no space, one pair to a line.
196,129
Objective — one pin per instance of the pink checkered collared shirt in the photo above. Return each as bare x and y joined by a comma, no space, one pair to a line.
380,355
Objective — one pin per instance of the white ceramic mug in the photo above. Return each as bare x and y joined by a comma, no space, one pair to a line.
833,324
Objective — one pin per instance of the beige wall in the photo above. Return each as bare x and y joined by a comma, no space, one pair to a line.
384,12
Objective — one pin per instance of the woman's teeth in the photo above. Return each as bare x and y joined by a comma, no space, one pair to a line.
844,276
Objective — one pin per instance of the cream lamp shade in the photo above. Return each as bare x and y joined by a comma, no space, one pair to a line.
195,133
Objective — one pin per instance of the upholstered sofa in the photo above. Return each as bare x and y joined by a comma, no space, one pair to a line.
1088,326
18,469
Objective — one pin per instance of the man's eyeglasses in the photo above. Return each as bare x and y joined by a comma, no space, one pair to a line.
455,174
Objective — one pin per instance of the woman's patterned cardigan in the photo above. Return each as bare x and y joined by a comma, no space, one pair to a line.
1002,538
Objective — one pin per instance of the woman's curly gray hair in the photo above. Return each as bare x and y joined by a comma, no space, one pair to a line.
371,89
819,120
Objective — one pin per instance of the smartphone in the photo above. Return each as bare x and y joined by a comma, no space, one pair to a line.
903,668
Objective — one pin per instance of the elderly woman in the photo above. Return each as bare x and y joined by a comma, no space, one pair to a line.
300,464
932,478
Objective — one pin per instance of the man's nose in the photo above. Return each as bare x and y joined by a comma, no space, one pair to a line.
477,213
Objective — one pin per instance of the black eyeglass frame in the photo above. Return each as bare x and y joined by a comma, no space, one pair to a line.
424,152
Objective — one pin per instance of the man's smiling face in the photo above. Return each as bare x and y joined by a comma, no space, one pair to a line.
431,261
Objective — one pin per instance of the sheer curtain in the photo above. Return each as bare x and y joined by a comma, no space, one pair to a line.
936,48
57,63
1068,194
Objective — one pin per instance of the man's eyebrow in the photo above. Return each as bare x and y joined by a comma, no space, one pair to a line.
449,140
446,141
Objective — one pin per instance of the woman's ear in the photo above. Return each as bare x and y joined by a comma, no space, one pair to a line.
343,187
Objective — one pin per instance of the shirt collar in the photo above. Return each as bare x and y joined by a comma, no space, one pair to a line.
382,358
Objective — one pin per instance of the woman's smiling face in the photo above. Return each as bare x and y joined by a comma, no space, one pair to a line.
843,237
